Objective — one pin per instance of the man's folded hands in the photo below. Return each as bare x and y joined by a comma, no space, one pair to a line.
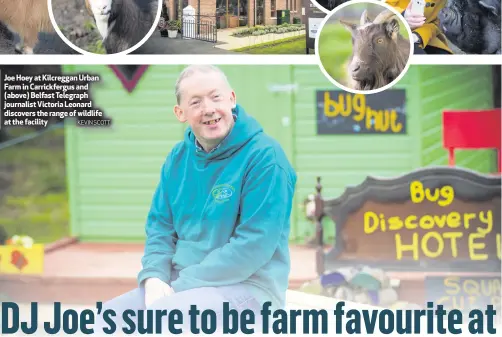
156,289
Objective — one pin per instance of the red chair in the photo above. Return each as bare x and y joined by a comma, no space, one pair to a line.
472,130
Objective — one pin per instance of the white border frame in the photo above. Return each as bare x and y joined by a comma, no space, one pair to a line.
244,59
363,92
85,52
321,8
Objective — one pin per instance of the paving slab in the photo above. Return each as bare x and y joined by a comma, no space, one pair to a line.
157,44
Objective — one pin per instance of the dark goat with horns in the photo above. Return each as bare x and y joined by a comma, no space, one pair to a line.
379,51
122,23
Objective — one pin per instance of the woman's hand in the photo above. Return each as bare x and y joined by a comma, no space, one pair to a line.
414,20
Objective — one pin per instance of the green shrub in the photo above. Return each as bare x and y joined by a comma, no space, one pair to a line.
270,29
259,32
35,202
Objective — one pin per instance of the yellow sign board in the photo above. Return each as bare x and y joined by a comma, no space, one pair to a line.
20,260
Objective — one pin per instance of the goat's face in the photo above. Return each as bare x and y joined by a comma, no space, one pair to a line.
373,46
451,20
100,11
99,7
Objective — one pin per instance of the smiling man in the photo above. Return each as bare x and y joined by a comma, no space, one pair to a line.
219,222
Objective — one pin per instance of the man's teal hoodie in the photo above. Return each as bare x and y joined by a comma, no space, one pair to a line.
223,217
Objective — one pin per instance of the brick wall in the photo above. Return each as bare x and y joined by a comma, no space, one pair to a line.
282,4
208,7
298,13
170,8
268,20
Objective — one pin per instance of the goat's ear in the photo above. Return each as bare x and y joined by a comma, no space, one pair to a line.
349,26
392,28
490,7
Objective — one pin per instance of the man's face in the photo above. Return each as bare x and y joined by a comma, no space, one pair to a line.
206,103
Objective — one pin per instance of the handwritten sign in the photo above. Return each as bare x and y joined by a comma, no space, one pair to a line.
438,218
464,293
340,112
439,230
20,260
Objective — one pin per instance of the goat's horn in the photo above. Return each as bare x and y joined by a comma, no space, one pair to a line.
364,18
384,16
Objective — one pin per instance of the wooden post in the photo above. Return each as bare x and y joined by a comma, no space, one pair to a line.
319,214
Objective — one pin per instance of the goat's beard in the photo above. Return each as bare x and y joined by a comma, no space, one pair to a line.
378,80
374,82
382,78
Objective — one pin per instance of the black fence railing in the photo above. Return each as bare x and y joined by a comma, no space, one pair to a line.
199,27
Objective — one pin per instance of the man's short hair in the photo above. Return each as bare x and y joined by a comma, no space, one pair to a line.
190,70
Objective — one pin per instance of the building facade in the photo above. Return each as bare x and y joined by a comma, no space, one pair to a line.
237,13
113,173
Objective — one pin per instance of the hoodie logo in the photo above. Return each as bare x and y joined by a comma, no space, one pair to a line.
222,193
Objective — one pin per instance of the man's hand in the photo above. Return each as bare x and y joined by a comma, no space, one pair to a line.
414,20
156,289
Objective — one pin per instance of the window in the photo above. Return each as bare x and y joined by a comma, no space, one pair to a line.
272,9
259,12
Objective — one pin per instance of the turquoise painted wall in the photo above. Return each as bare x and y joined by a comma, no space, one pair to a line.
113,172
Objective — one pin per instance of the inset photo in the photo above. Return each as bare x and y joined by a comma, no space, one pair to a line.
452,26
105,26
364,46
449,27
328,5
26,28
